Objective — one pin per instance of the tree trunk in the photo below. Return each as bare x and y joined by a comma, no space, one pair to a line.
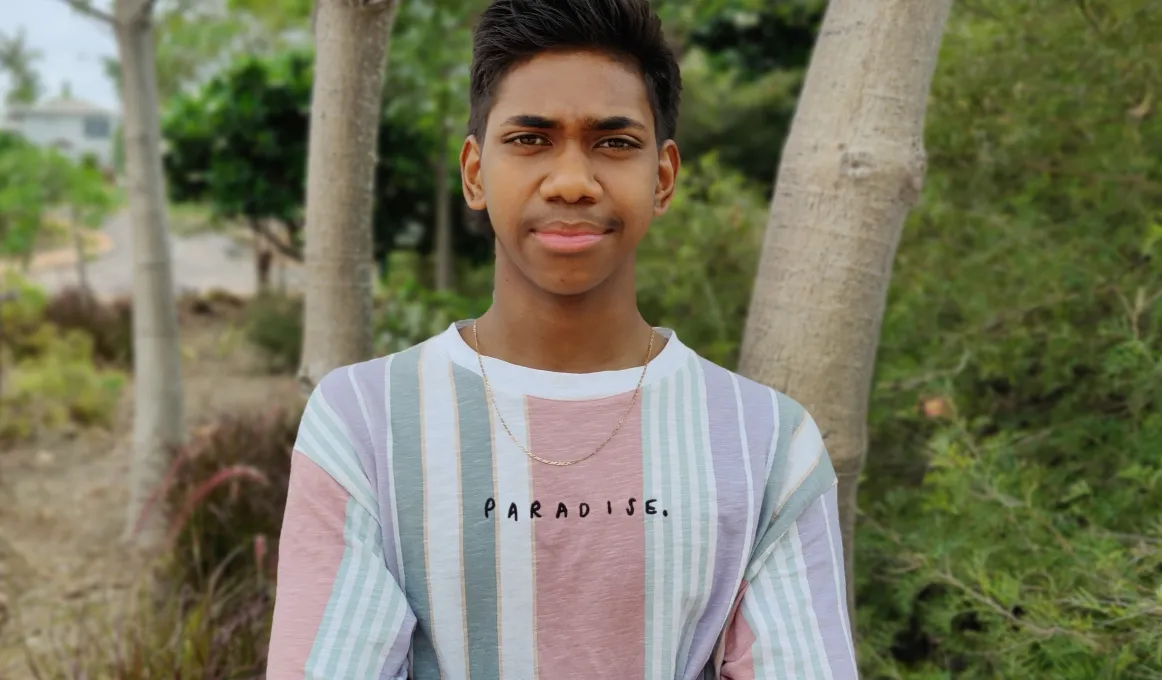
158,416
444,252
851,170
79,248
351,39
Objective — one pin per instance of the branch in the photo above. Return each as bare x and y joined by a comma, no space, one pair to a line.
83,7
287,250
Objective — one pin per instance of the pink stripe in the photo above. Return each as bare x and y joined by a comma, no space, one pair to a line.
590,584
310,550
739,642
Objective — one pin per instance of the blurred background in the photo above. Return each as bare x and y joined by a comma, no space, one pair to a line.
1010,514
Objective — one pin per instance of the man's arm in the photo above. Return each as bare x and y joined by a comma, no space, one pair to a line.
790,620
338,612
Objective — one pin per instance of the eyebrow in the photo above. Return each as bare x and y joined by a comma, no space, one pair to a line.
607,124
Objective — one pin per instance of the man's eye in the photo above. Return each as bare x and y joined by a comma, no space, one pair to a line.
527,140
619,143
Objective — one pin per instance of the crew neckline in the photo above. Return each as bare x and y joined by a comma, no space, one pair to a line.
505,377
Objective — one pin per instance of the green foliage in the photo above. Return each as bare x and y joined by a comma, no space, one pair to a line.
18,63
407,312
23,195
696,265
57,389
274,324
1010,523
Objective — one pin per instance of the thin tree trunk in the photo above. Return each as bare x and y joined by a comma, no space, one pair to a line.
851,170
444,252
79,248
351,38
158,418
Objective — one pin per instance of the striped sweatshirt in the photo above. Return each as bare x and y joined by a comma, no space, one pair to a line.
420,541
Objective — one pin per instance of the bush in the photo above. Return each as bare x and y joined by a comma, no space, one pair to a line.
226,491
59,389
23,332
274,324
110,325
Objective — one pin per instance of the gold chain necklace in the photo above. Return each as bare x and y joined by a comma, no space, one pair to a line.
530,454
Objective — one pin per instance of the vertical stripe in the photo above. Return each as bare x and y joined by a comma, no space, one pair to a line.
442,530
668,535
733,503
829,508
479,539
692,499
387,482
366,589
652,481
601,554
706,495
515,559
784,581
406,425
803,568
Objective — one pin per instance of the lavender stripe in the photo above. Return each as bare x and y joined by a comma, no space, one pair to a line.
761,429
396,657
730,482
819,557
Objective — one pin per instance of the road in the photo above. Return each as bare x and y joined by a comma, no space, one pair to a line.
201,262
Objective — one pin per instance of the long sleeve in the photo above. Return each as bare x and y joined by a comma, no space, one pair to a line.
339,614
790,620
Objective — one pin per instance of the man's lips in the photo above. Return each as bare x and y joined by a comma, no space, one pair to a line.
570,238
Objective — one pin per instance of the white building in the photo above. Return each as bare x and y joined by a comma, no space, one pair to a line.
74,127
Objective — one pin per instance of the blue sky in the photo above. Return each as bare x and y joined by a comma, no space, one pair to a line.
72,46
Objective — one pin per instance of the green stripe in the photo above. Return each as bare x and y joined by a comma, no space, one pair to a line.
479,534
346,621
702,489
687,498
817,482
407,454
814,651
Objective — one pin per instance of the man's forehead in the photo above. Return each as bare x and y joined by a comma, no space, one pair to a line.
572,86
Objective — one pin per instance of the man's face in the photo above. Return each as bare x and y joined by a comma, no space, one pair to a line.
569,169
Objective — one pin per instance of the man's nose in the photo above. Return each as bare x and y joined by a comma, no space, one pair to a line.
571,179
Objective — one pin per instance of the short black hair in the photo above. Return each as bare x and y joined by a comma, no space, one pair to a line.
511,32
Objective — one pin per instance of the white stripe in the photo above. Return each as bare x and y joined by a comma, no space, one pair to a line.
659,530
357,635
778,433
390,449
837,572
751,510
819,649
514,548
788,578
673,462
340,455
442,497
762,652
352,528
778,637
802,457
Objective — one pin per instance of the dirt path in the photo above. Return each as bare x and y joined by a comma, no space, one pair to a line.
62,503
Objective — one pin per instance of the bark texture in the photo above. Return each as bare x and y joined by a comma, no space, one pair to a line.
158,417
852,168
351,40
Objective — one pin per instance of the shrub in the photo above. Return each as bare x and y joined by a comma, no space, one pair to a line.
407,313
110,325
59,389
274,324
23,332
226,492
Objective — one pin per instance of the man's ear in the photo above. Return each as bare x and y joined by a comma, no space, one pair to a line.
669,163
470,179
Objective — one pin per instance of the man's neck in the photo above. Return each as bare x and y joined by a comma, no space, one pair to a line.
601,330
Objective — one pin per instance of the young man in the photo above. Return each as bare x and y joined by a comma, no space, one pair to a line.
557,490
